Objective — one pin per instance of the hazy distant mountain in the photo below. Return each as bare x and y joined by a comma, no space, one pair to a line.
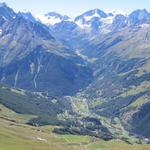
95,20
52,18
27,16
139,17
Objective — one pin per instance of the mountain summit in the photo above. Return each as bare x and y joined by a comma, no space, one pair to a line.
6,12
52,18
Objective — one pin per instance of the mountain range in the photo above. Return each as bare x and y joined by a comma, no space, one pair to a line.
90,74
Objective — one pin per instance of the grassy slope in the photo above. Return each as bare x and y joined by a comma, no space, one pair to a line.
116,145
41,107
18,136
8,114
22,137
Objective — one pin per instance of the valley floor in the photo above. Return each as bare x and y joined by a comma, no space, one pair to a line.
17,136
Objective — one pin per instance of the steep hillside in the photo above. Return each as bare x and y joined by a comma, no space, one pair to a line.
31,58
121,75
44,108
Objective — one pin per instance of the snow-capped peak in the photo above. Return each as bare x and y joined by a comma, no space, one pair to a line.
87,16
94,19
52,18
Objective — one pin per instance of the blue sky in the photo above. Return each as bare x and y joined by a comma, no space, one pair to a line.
76,7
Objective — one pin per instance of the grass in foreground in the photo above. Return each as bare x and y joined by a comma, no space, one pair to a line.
15,135
116,145
22,137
